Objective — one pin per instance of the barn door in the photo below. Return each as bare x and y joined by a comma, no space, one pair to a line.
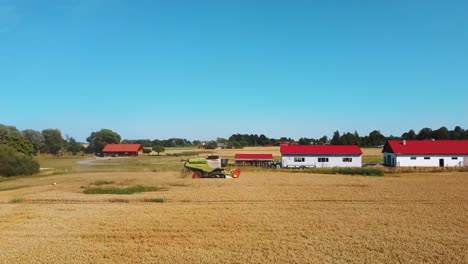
441,163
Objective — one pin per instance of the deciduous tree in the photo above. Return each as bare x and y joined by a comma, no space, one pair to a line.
53,141
98,140
17,142
35,137
73,146
158,149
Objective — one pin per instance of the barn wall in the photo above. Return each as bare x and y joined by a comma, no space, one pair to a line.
312,161
120,154
389,159
251,162
433,161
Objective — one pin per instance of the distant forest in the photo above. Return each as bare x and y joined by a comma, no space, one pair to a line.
374,139
31,142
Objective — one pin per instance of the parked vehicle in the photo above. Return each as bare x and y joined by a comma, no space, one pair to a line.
274,164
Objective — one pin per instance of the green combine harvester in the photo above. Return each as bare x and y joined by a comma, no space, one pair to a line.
211,167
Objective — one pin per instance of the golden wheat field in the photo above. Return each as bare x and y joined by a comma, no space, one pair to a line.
265,216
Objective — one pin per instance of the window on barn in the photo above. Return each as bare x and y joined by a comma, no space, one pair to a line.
454,158
299,159
413,158
322,159
347,159
427,157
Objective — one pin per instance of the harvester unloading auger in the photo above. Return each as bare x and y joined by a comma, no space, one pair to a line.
211,167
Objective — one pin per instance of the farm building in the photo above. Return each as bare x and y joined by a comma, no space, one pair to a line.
252,159
122,150
321,156
426,153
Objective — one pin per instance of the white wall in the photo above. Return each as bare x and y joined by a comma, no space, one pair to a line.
312,161
433,161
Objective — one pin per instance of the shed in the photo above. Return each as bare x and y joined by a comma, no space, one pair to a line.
122,150
252,159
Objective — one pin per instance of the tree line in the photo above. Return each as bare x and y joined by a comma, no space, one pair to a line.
373,139
51,141
17,147
31,142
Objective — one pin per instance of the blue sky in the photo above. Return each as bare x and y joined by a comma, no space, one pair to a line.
207,69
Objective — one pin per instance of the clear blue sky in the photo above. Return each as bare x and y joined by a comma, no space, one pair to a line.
207,69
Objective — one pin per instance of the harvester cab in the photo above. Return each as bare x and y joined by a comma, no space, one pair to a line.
210,167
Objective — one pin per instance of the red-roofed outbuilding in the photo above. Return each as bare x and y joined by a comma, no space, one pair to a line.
321,156
426,153
252,159
122,150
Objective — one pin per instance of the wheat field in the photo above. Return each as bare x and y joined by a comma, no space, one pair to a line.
261,217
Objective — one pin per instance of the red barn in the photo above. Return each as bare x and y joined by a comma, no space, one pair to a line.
122,150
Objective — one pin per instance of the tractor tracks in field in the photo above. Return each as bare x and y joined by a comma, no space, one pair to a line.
258,201
332,201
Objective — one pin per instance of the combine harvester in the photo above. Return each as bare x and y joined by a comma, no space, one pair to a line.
211,167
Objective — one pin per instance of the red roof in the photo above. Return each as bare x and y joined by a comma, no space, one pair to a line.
253,156
321,150
122,148
427,147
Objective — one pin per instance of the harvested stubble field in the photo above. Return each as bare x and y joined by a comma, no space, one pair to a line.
262,217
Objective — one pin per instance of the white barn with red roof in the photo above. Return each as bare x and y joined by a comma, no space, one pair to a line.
321,156
426,153
122,150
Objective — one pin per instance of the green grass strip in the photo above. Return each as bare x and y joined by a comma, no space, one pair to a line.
126,190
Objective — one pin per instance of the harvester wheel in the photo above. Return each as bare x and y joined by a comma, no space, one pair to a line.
197,175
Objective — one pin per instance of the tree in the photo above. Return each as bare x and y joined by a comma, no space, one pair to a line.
323,140
36,138
73,146
376,138
98,140
349,139
304,141
144,142
441,134
158,149
211,145
336,138
425,133
12,137
221,140
9,130
456,133
262,140
14,163
18,143
410,135
234,144
53,141
357,138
